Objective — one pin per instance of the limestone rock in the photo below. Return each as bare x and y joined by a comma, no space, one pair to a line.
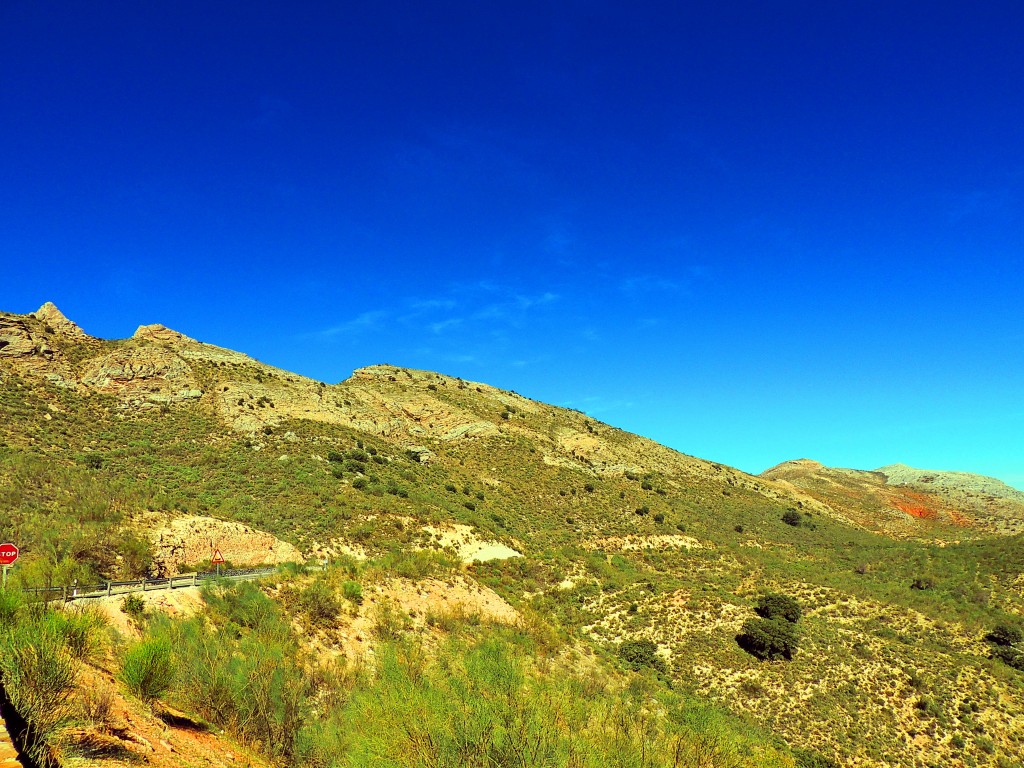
159,334
144,373
16,339
56,320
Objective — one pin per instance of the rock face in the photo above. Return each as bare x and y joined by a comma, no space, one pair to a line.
146,374
190,539
16,340
55,319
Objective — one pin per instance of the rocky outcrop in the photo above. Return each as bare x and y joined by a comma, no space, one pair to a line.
190,539
16,339
55,320
159,334
140,374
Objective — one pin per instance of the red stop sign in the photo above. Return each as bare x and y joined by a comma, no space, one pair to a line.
8,554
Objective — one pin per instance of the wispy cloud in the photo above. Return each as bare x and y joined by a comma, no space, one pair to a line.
443,325
365,322
480,307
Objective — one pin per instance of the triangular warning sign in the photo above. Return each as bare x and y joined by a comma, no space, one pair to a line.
218,558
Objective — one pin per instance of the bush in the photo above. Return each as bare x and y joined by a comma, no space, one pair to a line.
806,758
1004,634
641,653
318,603
769,639
39,676
92,460
792,517
353,592
147,669
133,605
1009,656
10,604
776,606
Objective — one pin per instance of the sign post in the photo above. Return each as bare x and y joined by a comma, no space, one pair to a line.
217,559
8,554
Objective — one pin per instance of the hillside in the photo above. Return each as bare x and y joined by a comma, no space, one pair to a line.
138,456
904,502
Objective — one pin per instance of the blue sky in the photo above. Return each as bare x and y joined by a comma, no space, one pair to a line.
753,232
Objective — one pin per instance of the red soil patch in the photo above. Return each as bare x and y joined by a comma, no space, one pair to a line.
925,506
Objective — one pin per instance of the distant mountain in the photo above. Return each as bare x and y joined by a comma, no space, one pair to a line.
910,503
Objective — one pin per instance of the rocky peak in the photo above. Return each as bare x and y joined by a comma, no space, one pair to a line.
56,320
160,334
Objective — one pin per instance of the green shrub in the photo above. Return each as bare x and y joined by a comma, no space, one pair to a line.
776,606
133,605
79,630
1009,656
11,603
38,674
147,669
808,758
1004,634
318,603
769,639
353,592
792,517
91,460
641,653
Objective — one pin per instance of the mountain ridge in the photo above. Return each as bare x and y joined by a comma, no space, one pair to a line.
117,455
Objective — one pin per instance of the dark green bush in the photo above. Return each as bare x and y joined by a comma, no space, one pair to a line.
769,639
133,605
1004,634
641,653
792,517
776,606
1009,656
92,460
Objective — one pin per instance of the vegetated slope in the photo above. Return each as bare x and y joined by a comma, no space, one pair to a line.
623,539
909,503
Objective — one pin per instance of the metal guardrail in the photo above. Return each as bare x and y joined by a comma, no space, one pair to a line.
110,588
